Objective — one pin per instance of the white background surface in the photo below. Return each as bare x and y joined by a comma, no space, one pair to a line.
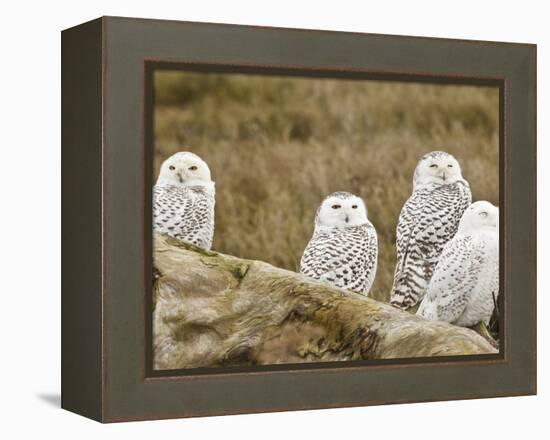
30,221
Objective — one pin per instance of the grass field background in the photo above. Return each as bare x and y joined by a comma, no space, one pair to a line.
277,146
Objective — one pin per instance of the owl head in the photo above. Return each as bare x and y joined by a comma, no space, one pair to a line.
341,209
436,167
479,216
184,169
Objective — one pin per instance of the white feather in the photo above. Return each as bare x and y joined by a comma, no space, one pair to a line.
465,284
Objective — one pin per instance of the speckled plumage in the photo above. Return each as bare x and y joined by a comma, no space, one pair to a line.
186,213
184,199
428,220
342,252
465,285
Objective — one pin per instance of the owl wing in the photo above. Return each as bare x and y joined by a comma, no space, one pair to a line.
413,210
370,250
453,281
410,272
361,259
429,217
427,221
323,256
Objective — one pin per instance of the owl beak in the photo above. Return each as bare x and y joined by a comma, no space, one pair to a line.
347,218
180,178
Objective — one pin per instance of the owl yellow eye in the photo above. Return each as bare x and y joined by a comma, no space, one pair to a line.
171,167
193,168
450,165
354,206
433,165
336,206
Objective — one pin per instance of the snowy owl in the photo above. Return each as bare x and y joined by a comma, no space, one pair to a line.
183,200
464,287
428,220
344,248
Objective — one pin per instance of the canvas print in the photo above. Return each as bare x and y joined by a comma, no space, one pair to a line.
317,220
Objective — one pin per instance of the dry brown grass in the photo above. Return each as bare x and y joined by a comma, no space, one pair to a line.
276,146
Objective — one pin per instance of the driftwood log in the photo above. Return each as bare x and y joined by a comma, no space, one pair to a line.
214,310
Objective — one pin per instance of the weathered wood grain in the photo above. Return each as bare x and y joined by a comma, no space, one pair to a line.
213,310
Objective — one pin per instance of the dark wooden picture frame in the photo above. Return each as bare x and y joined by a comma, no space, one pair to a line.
106,234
